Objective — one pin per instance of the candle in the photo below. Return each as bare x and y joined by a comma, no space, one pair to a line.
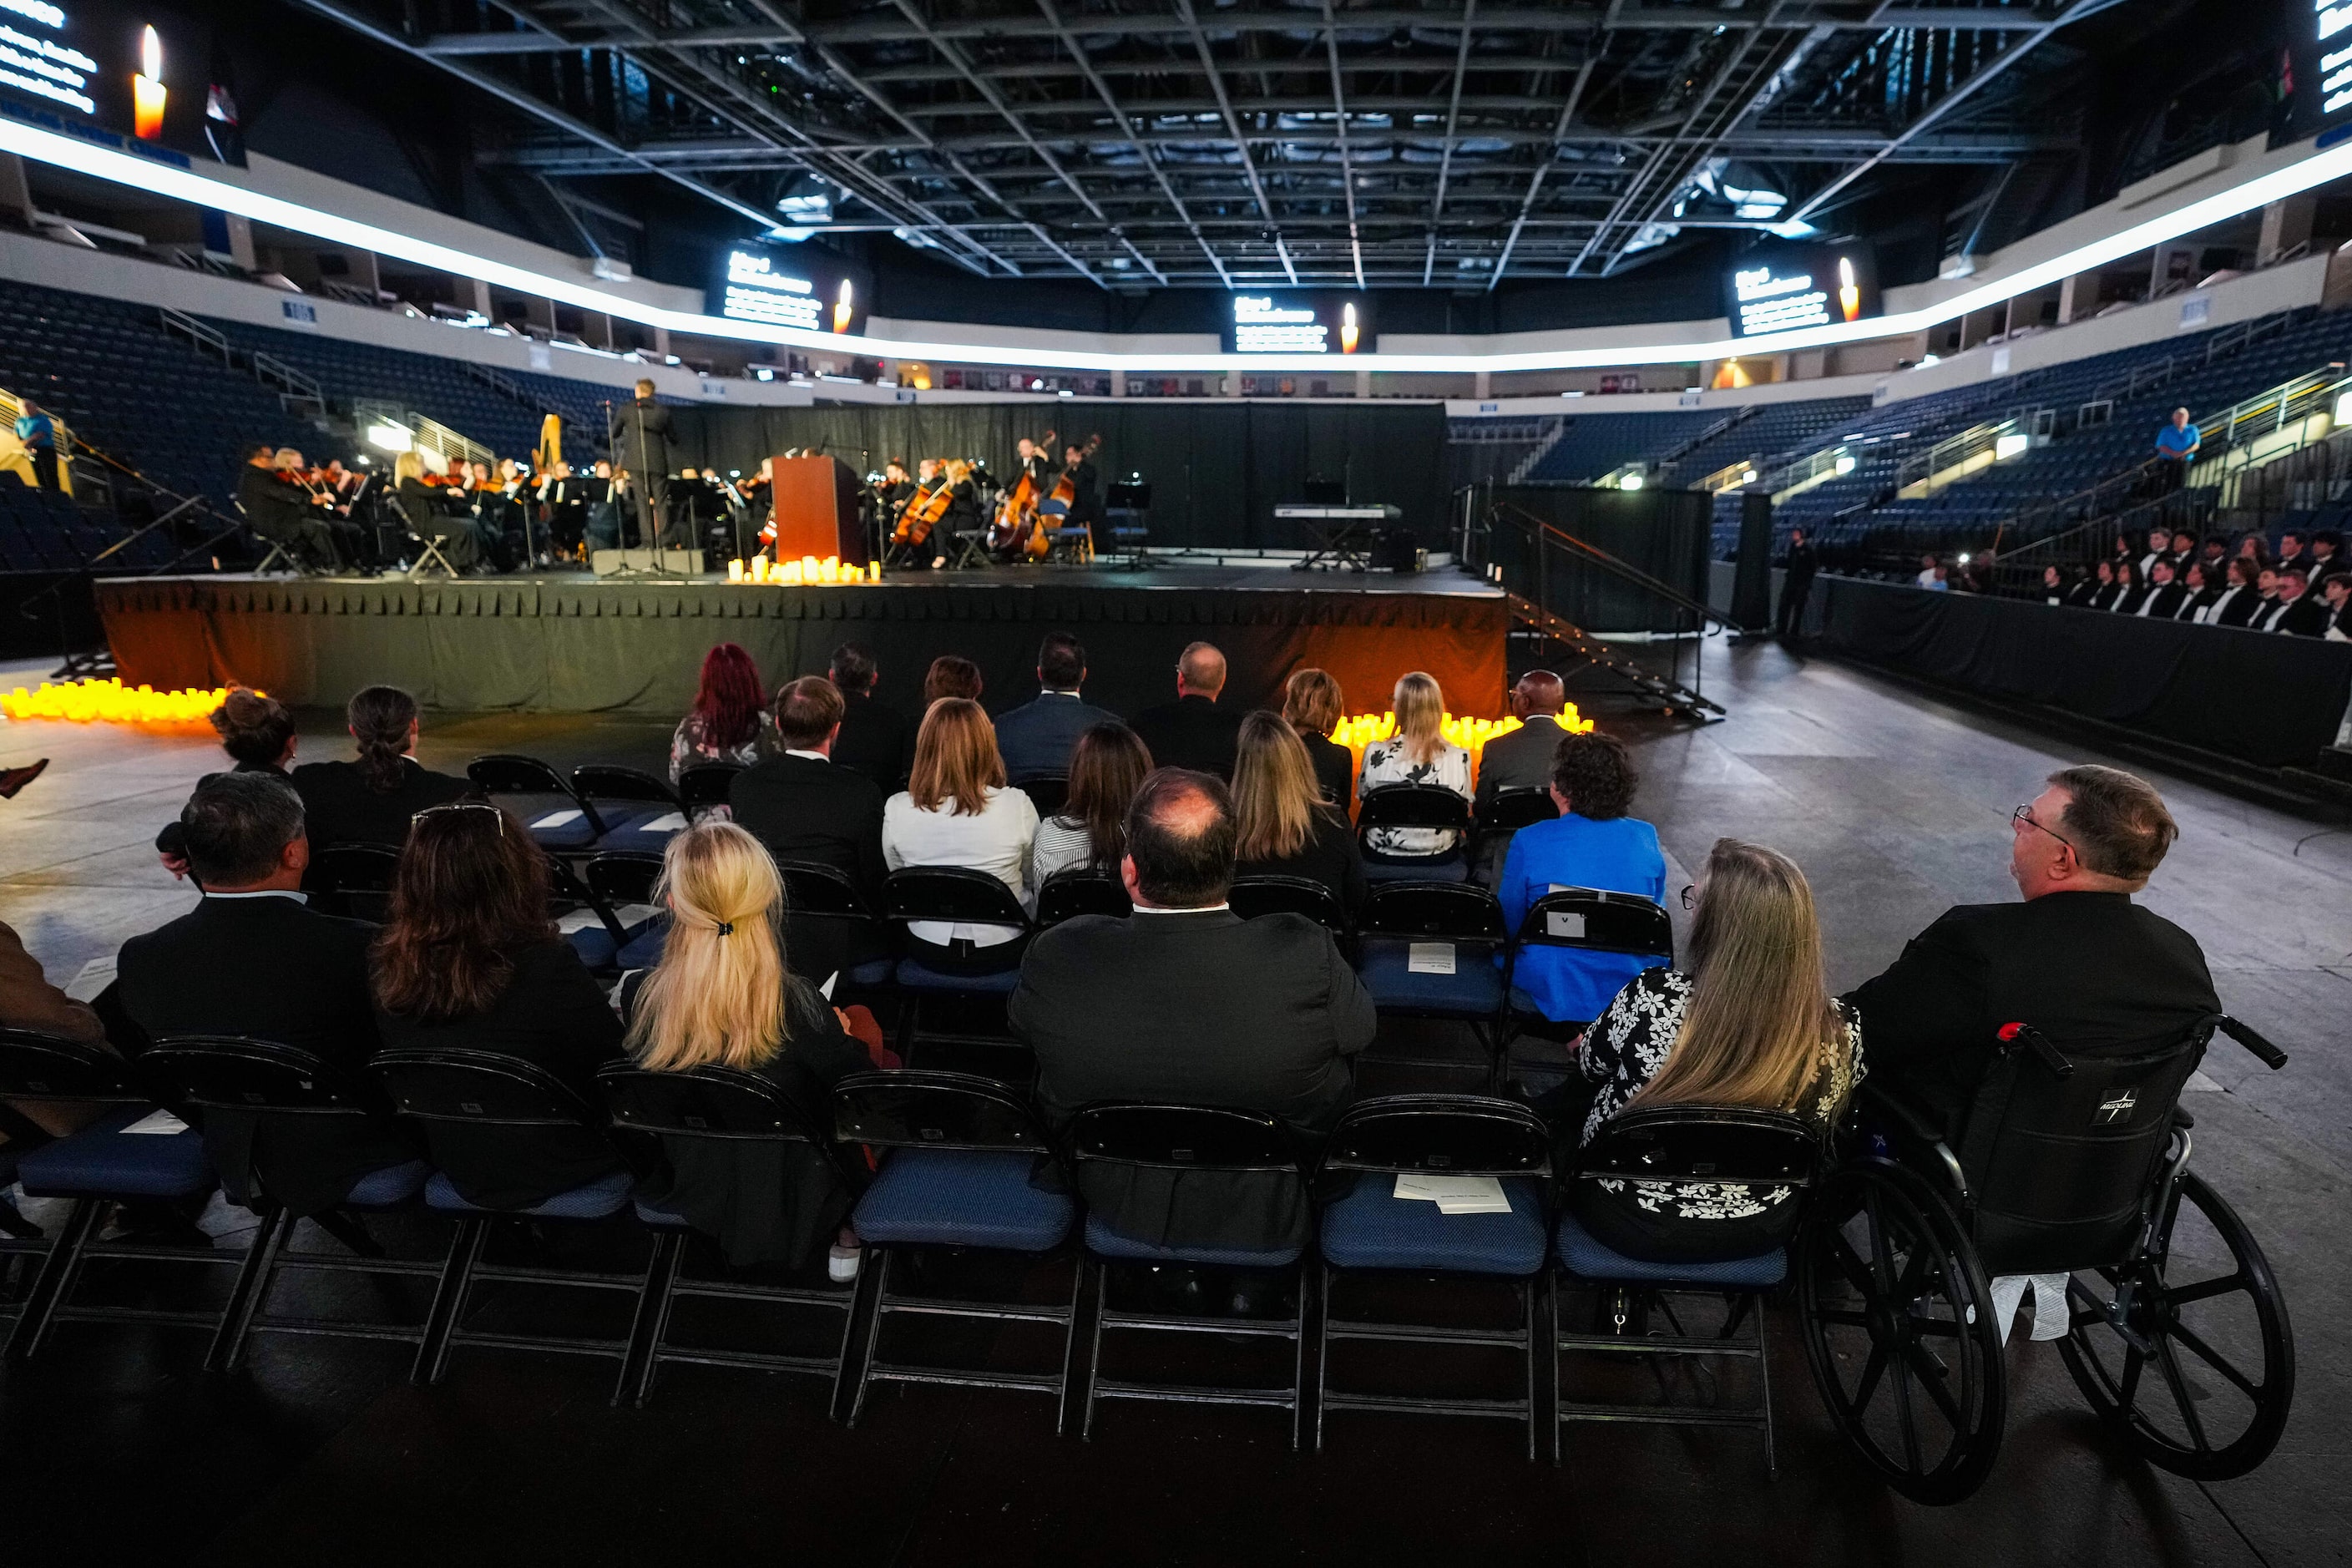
147,93
734,570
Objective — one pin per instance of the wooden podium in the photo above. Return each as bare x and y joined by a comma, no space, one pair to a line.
815,503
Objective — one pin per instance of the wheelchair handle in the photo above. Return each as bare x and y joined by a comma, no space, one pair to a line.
2268,1054
2039,1043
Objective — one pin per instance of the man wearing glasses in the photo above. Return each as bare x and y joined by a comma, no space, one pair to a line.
2078,959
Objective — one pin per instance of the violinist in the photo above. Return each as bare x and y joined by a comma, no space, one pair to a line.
280,512
438,512
758,495
601,500
895,490
566,505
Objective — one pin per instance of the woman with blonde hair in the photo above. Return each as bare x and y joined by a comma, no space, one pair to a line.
1283,826
1312,705
723,995
1750,1023
1417,753
956,811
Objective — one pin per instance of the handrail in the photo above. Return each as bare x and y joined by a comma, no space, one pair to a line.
199,336
1951,453
1544,531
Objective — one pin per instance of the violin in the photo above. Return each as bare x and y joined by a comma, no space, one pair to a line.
1057,504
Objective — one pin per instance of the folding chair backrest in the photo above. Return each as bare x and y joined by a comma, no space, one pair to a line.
356,878
2060,1169
1047,795
952,893
1456,911
1508,810
35,1065
1253,896
601,781
1599,922
921,1108
1445,1134
811,889
1181,1138
1081,891
717,1103
504,773
623,876
705,784
237,1072
1694,1183
1411,806
479,1088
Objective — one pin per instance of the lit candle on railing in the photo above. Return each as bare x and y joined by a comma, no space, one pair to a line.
147,93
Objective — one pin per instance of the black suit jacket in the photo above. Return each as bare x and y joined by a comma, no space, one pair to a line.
1191,732
339,807
1521,760
2094,971
822,812
875,739
1330,857
1335,769
275,508
1196,1008
2307,617
272,968
552,1014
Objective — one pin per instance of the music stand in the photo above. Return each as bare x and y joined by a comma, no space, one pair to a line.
1130,498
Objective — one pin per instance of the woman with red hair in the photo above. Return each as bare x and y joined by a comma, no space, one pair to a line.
730,722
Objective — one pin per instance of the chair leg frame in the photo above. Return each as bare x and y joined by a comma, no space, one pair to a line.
1728,1343
1296,1328
872,1369
1523,1339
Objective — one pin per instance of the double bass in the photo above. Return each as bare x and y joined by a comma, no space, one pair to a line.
1018,510
1059,500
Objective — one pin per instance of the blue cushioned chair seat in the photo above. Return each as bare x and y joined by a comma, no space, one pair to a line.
1372,1227
602,1197
962,1197
103,1161
576,833
1525,1006
660,1219
873,972
917,975
594,946
644,948
1436,869
632,827
1588,1259
388,1188
1474,989
1105,1242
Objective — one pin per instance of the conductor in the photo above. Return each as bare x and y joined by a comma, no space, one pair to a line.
639,433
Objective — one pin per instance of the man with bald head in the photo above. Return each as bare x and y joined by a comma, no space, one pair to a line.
1183,1002
1522,759
1193,732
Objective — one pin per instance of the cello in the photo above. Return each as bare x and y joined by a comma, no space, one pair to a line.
923,511
1017,512
1056,504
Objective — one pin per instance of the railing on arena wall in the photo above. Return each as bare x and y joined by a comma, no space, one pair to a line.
424,435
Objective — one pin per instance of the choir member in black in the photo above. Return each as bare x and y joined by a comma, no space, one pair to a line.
2203,590
2234,605
601,508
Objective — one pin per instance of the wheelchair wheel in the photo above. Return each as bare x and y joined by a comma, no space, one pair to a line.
2199,1377
1899,1330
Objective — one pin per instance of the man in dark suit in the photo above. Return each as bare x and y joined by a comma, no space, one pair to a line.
638,435
278,511
1797,583
2166,596
875,739
1037,738
1193,731
1522,759
1184,1003
804,806
2302,616
251,959
2078,959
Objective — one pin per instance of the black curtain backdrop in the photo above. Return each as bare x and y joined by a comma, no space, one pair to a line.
2256,696
1216,473
1662,532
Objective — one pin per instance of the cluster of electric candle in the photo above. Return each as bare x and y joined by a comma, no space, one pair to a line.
794,573
1361,730
112,702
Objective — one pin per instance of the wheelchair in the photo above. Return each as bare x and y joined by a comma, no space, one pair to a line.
2176,1332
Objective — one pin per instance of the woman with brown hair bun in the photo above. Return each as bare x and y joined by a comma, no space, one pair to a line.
1284,826
1312,705
471,959
956,811
1107,767
371,799
258,733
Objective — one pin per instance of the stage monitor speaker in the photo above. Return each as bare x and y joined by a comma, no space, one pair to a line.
612,562
816,510
1396,549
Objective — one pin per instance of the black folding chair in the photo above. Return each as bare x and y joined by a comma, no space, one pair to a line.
639,811
1621,934
355,879
1081,891
726,1107
240,1075
1047,795
619,881
821,901
1428,950
541,799
463,1088
1413,806
949,895
104,1162
1196,1139
1500,814
705,786
1681,1200
1374,1229
966,1165
1253,896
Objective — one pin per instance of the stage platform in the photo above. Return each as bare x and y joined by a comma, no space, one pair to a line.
564,642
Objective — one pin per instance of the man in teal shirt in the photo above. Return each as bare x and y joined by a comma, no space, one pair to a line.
2176,448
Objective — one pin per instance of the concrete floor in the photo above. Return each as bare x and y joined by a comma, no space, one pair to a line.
1895,804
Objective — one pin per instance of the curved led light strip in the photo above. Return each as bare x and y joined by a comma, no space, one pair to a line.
186,184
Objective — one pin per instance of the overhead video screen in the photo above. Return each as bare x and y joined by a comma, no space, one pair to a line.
1298,321
1783,287
787,286
143,72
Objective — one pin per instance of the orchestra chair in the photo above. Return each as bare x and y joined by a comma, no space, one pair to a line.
1192,1139
1372,1231
101,1165
254,1077
703,788
969,549
722,1106
541,799
615,883
486,1089
638,810
277,556
1621,933
354,881
820,893
960,970
1048,794
1253,896
1624,1232
1413,806
1463,921
965,1164
1079,891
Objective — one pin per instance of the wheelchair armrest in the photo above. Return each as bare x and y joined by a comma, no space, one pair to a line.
1916,1123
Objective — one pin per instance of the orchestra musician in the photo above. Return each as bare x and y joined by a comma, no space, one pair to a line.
1085,500
564,499
758,495
279,511
896,491
640,436
600,502
965,513
438,512
1031,459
